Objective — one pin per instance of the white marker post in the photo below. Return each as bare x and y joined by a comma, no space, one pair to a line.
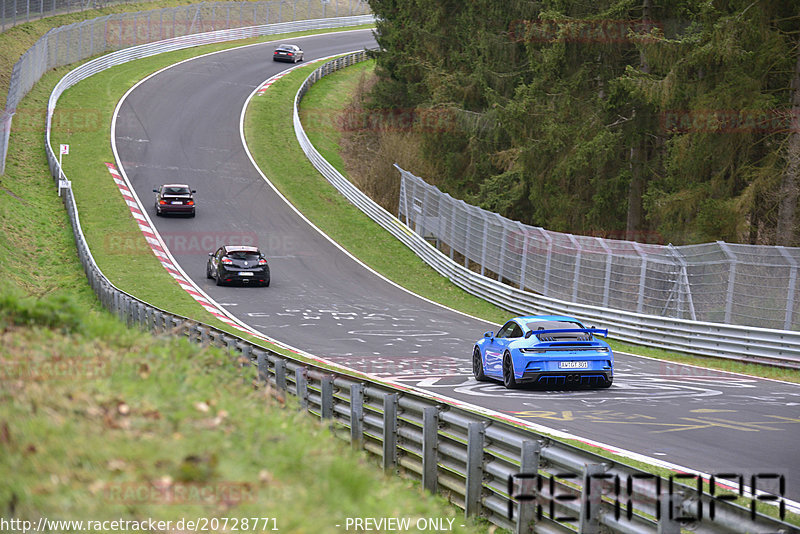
62,183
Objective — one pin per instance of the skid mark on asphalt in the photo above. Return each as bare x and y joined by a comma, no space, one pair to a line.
397,333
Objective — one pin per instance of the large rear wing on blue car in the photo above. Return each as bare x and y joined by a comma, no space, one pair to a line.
537,333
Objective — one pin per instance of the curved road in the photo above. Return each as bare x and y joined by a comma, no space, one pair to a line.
183,126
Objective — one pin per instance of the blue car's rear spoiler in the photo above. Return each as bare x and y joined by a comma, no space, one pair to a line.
537,333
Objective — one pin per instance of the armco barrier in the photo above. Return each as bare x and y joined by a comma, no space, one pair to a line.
748,344
489,467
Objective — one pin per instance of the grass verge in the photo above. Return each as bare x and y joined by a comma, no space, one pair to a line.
99,422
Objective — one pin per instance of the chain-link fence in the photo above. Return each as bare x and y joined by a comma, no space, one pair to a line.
68,44
13,12
715,282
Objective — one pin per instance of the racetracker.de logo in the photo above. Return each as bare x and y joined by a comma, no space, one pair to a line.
179,243
64,120
435,120
55,368
167,491
730,121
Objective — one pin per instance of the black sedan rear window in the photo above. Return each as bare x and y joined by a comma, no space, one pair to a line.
176,191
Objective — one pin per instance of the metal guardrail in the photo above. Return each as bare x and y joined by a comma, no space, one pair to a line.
488,467
747,344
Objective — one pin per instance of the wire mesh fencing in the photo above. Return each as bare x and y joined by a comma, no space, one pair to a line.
75,42
720,282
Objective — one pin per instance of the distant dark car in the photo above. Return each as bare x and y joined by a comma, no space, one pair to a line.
287,52
238,265
175,198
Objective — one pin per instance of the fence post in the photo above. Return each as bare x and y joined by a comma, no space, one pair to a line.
327,397
357,415
389,431
430,456
788,317
607,277
529,468
731,279
577,270
475,438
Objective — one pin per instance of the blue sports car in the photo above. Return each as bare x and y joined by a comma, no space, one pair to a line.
544,350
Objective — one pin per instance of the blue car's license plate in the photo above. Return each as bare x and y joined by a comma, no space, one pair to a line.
573,365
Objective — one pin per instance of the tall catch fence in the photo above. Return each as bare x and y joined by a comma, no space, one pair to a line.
715,282
75,42
13,12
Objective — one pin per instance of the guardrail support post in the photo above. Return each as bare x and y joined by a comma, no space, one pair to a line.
301,380
669,510
591,500
356,415
389,431
263,366
529,471
202,338
327,397
475,436
230,344
430,456
280,374
245,358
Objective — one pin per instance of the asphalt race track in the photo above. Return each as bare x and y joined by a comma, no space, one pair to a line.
183,126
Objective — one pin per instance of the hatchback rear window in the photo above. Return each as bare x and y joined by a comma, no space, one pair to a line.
246,256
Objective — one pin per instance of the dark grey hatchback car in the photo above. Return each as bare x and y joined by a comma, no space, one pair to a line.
238,265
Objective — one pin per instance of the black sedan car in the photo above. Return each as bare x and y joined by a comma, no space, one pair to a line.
238,265
287,52
174,198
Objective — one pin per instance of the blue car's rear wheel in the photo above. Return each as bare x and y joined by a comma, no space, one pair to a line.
477,365
508,372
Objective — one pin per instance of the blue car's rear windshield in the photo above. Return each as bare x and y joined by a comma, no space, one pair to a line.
552,325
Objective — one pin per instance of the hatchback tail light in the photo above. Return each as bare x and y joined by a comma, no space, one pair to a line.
227,261
162,202
190,202
262,261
